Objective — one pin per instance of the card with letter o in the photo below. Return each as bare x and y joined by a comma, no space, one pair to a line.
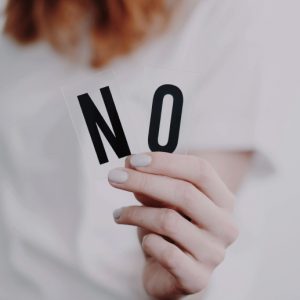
115,116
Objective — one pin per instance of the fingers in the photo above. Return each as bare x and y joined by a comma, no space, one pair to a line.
185,167
182,195
191,277
186,221
169,223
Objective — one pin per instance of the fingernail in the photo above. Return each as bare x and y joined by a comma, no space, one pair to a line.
140,160
117,213
117,176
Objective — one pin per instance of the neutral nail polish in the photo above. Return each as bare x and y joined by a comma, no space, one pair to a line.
117,213
140,160
117,176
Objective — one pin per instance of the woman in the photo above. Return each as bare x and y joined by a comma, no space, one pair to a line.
60,241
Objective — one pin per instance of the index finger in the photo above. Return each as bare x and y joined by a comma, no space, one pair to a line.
193,169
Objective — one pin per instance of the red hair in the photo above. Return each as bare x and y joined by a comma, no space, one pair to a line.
113,27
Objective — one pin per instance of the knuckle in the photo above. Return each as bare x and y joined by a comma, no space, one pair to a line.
203,163
169,257
233,234
148,286
204,169
230,232
197,285
189,198
204,281
158,155
131,214
185,193
168,222
217,256
143,183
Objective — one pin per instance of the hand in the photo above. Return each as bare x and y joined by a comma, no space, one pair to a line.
185,223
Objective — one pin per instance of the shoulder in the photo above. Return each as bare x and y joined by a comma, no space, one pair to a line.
216,25
203,33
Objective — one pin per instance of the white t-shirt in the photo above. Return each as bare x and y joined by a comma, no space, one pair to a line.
58,238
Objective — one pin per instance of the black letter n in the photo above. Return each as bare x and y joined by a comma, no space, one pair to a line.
94,120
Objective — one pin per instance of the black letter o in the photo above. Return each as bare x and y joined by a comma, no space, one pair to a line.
160,93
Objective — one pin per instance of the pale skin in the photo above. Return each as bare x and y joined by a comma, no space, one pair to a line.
185,221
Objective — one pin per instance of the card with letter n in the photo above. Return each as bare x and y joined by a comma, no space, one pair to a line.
115,116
